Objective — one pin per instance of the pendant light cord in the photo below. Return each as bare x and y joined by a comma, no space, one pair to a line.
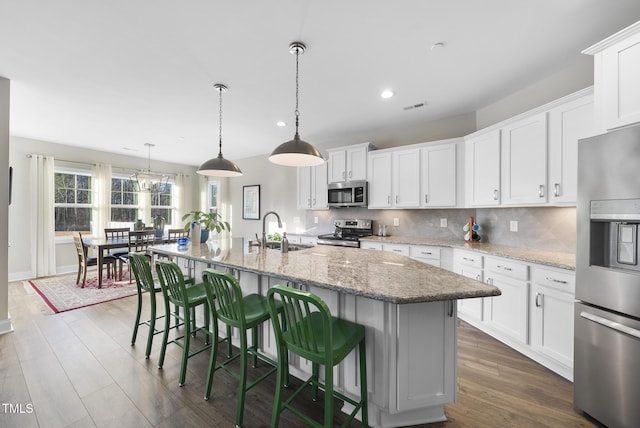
297,112
220,122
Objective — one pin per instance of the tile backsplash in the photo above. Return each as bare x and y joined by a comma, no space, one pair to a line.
543,228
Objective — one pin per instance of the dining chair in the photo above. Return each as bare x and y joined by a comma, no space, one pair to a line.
85,261
139,241
174,234
117,233
175,291
228,305
311,332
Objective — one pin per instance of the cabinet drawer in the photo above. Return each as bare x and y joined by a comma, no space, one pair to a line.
507,268
424,252
559,279
371,245
403,250
468,259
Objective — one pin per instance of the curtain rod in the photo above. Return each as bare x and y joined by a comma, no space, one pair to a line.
121,168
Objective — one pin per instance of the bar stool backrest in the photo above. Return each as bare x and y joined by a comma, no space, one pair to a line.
307,330
139,264
172,282
225,297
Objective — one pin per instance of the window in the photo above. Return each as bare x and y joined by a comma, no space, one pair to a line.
213,196
72,202
161,204
124,201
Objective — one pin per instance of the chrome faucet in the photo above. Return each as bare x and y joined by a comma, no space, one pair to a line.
264,223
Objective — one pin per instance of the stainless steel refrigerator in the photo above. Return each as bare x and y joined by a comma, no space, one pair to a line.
607,314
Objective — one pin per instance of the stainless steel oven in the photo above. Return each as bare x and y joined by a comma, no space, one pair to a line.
607,316
347,233
347,194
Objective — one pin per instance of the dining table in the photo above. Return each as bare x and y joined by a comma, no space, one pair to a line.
102,245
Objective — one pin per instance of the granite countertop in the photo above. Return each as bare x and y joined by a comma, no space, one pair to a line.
548,258
378,275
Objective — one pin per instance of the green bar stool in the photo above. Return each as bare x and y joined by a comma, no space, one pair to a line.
145,283
312,333
244,313
175,291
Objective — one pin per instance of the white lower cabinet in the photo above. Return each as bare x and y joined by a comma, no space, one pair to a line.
509,312
534,313
425,254
400,249
552,302
368,245
470,265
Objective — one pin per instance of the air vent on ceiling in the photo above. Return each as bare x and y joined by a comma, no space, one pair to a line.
414,106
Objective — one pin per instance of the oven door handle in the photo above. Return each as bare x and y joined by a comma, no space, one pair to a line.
611,324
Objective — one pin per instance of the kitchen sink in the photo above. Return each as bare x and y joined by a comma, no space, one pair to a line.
292,247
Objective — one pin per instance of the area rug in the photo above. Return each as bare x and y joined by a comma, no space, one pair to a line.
61,293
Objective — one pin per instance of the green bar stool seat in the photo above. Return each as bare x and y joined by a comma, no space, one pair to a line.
244,313
311,332
145,282
175,290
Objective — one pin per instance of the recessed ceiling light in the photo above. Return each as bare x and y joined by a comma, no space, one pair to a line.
387,93
281,123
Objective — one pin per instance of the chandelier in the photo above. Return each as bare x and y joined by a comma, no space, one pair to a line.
146,181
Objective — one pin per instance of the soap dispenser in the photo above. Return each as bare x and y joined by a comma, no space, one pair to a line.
284,245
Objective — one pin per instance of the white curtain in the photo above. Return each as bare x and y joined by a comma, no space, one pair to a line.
43,246
101,198
203,185
180,202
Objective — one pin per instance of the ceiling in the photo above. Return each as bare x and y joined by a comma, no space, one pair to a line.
114,75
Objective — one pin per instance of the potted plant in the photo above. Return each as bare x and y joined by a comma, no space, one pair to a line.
208,222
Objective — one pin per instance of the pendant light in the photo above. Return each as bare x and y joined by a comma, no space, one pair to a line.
296,152
220,167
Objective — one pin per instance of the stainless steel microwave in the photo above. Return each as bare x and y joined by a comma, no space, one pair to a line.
347,194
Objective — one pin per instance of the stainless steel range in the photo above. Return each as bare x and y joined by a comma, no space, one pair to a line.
347,233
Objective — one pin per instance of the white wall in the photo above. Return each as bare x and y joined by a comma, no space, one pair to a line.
5,322
20,210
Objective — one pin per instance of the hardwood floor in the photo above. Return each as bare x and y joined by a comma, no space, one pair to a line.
78,369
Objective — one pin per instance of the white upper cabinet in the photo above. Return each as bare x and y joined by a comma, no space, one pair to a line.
348,163
482,160
379,178
405,178
438,176
312,187
568,123
524,161
617,78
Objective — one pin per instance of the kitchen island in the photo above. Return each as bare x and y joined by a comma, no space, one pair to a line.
407,307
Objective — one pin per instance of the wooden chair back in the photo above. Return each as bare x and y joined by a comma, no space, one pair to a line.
174,234
139,240
116,232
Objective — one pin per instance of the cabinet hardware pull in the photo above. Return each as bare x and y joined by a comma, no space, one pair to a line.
611,324
559,281
397,250
426,198
314,202
504,267
538,300
478,277
468,259
388,200
490,281
556,189
309,202
450,311
427,253
396,199
541,191
350,174
495,194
